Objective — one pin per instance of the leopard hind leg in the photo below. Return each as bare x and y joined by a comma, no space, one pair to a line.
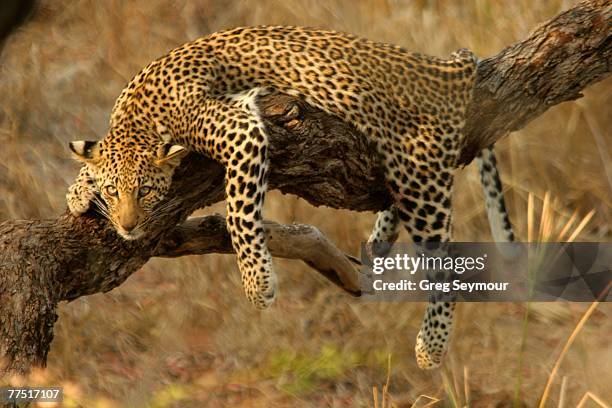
384,233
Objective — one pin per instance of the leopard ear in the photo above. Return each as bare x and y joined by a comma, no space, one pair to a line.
170,154
85,151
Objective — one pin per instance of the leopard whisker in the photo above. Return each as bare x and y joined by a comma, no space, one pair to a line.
171,204
154,215
102,209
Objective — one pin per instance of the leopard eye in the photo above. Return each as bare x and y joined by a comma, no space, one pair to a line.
111,190
144,191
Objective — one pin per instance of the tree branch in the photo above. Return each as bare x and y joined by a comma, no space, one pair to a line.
553,65
205,235
313,155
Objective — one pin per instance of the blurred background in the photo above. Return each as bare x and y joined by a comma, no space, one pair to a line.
181,333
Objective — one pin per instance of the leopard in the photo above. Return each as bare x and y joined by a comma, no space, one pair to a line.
202,97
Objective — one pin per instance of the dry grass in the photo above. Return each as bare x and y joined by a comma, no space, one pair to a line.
180,333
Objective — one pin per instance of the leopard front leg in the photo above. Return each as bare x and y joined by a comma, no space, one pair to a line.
237,138
81,193
245,191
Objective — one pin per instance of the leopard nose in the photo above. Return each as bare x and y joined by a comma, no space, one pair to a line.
129,224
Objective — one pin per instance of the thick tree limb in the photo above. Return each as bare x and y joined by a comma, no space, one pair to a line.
314,155
558,60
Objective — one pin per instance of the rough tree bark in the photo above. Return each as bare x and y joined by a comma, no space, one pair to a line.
314,155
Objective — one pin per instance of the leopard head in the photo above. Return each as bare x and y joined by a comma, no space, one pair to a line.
131,177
